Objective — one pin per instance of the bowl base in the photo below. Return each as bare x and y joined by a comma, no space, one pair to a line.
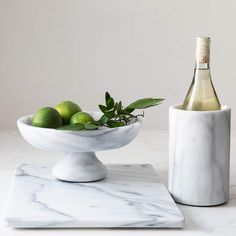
79,167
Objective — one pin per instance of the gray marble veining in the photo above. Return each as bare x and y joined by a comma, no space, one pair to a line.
130,196
78,141
199,152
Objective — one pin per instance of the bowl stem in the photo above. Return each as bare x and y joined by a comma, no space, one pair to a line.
79,167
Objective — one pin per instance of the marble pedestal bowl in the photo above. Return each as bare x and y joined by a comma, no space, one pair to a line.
80,163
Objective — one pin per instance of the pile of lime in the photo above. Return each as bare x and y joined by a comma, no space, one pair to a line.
63,116
67,115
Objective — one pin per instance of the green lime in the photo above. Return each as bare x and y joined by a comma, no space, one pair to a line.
67,109
47,117
81,117
73,127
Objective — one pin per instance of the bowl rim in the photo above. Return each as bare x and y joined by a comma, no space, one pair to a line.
20,120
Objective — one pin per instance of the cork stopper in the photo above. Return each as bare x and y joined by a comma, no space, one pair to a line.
203,50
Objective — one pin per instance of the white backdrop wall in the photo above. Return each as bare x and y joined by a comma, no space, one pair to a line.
54,50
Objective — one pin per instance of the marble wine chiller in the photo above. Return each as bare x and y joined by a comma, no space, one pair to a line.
199,154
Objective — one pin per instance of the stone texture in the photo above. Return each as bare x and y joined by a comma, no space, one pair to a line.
199,152
130,196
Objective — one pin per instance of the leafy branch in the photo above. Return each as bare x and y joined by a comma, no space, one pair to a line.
115,115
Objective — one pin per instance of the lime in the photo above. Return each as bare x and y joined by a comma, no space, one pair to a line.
47,117
73,127
81,117
67,109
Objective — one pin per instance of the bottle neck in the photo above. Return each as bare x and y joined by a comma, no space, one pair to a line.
202,66
202,72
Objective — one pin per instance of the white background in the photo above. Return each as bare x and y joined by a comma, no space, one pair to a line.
54,50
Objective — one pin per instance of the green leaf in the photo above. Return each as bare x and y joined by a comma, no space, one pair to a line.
90,126
107,96
116,106
113,123
110,114
104,109
145,103
129,110
73,127
103,120
125,112
110,103
97,122
119,107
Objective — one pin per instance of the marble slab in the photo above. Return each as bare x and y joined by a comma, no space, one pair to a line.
130,196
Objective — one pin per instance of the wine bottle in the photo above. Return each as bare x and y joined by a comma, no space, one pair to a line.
201,95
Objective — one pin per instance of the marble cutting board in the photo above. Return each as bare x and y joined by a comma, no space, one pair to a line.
130,196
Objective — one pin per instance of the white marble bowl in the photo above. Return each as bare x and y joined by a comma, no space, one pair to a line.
80,163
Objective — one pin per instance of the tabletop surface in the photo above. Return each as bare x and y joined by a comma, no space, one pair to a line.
149,147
